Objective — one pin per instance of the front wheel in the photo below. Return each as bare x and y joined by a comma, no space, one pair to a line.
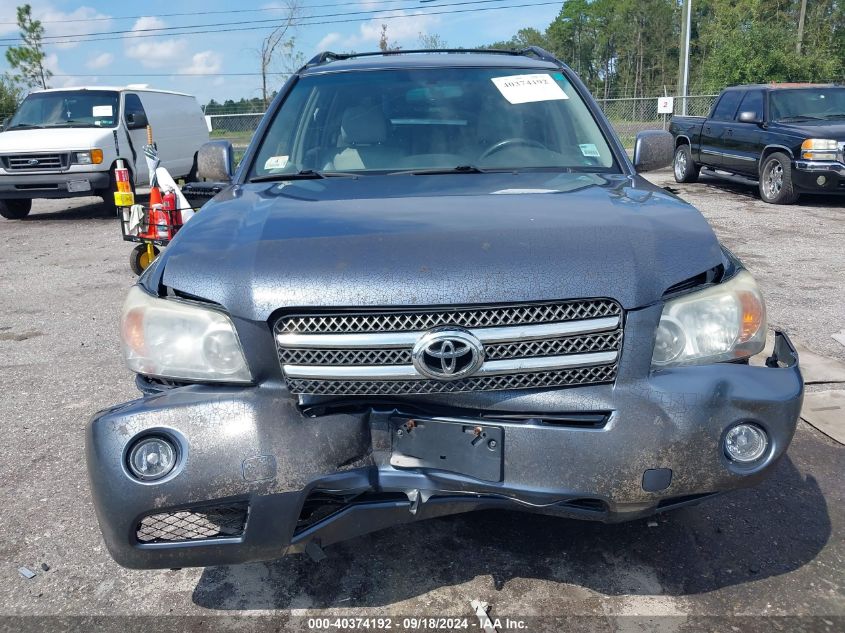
15,209
683,165
139,258
776,180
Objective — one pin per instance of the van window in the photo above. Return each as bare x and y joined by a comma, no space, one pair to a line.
67,108
726,108
132,106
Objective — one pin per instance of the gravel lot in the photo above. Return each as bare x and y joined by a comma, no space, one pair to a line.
778,550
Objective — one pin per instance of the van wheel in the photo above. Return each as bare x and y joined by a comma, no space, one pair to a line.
15,209
139,258
683,165
776,180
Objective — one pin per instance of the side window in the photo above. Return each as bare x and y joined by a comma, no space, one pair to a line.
133,111
753,102
726,109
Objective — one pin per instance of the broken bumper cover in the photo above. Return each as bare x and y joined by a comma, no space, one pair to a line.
292,481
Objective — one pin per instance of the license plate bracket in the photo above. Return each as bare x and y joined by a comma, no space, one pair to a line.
464,447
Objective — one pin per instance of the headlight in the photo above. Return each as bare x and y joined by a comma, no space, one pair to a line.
174,339
92,157
819,149
724,322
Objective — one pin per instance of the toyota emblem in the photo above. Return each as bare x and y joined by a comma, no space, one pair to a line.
448,354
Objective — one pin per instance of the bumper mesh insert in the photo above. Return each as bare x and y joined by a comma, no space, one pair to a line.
190,525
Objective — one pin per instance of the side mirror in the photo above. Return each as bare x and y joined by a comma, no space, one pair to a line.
136,121
749,117
653,149
215,161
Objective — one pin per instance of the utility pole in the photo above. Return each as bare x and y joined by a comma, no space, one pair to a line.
683,70
801,18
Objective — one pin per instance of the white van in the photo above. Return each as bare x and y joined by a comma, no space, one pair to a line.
65,142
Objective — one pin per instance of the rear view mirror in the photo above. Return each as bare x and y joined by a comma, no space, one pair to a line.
749,117
215,161
653,149
136,120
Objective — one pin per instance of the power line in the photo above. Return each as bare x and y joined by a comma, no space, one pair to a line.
168,30
318,23
193,13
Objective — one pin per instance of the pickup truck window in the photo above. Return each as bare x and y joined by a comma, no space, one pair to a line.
727,106
432,118
807,104
67,108
752,102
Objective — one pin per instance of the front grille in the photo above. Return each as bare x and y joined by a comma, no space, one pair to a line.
200,523
36,162
524,347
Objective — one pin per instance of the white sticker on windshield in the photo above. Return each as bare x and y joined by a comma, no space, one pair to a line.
105,110
588,149
276,162
529,88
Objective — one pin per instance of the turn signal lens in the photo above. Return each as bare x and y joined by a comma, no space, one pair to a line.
96,156
819,149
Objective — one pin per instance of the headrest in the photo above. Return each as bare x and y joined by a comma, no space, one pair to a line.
363,125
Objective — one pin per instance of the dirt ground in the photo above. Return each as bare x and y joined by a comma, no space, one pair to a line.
777,550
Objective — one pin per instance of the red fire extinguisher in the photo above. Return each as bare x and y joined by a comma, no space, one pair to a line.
169,204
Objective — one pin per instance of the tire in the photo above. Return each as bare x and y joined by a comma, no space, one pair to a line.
776,180
684,166
15,209
138,259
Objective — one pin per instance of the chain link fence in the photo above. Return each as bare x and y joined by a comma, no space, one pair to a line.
629,116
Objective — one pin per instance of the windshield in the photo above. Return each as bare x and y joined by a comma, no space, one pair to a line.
475,119
72,108
807,104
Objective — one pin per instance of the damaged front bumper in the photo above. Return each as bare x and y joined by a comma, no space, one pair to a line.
259,476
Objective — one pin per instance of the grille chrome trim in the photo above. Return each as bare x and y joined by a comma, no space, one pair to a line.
45,161
408,372
489,335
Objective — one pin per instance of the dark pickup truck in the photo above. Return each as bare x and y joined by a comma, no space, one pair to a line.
790,139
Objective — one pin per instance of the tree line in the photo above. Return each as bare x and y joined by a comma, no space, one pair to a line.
631,48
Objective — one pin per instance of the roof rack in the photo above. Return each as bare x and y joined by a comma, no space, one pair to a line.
536,51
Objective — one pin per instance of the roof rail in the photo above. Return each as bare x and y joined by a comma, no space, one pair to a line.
536,51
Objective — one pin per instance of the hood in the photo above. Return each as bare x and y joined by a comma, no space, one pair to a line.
816,129
57,139
437,240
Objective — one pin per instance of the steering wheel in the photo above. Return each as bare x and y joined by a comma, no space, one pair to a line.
497,147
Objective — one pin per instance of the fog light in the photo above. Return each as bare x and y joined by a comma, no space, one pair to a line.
820,181
746,443
152,458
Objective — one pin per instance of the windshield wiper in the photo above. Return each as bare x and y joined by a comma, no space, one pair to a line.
801,117
836,115
460,169
305,174
25,126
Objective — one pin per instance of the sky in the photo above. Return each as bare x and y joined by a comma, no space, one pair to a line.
207,64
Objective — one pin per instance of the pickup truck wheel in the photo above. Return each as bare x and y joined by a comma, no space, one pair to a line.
15,209
776,180
684,166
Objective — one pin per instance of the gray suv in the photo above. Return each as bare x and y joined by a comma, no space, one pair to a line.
434,284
